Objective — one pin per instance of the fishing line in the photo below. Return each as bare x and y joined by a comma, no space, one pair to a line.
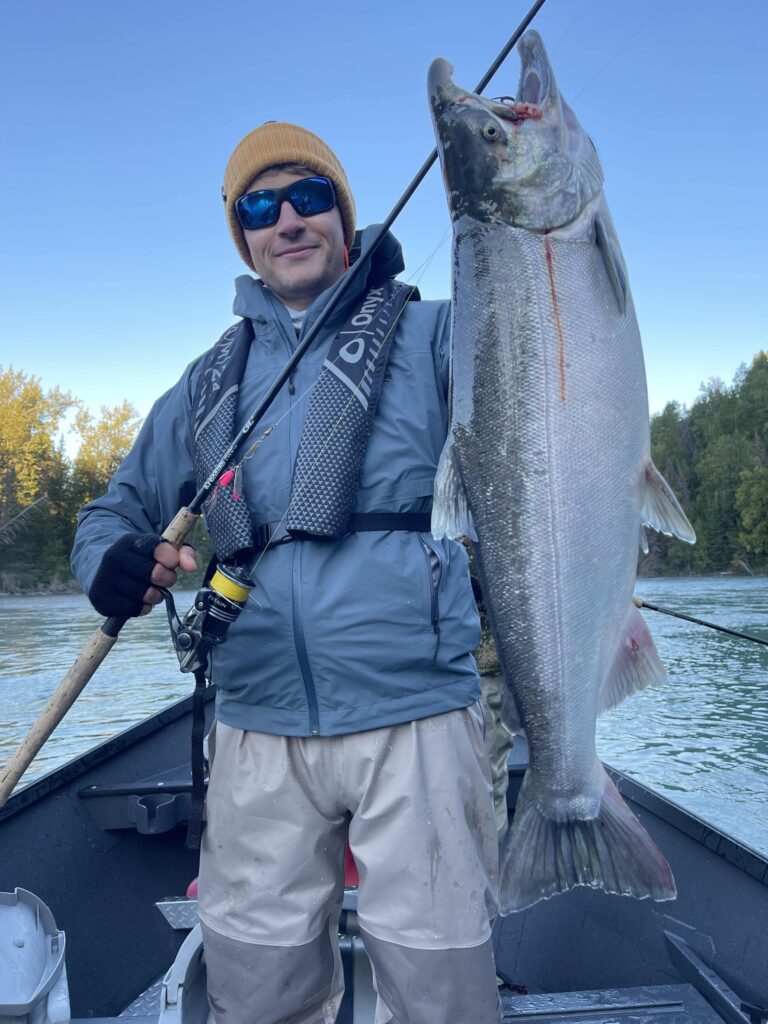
640,603
196,503
623,46
576,16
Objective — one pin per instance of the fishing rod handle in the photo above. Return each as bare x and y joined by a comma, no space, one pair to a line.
640,603
83,668
180,528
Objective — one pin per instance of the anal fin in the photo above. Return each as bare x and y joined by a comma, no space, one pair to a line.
636,663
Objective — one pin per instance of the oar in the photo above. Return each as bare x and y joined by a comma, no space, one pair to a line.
103,640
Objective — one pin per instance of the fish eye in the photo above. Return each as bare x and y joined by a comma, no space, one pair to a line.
491,131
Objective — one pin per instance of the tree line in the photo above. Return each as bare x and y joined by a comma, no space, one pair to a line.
41,488
714,455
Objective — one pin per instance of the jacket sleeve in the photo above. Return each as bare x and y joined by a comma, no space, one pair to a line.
152,483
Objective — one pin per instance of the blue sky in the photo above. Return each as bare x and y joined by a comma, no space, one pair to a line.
118,118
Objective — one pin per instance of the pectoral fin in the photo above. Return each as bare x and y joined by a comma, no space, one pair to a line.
613,263
450,512
661,509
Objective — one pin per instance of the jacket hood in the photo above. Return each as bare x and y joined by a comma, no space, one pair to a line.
254,301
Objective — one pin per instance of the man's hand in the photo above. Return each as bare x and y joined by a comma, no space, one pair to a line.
122,586
167,560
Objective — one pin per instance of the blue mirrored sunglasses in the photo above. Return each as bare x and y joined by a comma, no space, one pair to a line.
261,209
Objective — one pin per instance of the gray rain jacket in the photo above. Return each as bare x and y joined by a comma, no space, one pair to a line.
338,636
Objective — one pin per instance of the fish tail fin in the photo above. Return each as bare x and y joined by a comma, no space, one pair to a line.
544,855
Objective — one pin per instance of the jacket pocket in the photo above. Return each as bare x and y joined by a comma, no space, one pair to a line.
434,567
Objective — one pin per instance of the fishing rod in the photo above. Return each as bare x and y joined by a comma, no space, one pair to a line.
640,603
105,637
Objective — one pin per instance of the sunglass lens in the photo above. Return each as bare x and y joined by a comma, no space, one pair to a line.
312,195
257,209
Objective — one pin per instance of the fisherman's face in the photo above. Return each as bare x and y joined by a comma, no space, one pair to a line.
298,257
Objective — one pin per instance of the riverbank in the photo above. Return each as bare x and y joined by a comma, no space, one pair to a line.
53,589
59,586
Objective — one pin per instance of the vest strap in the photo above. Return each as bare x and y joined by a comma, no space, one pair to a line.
270,534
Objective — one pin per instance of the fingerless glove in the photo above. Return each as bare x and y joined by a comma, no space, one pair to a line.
124,575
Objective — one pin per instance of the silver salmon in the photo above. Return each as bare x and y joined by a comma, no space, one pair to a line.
547,466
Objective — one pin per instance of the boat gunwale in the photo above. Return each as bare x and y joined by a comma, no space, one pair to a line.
735,852
58,777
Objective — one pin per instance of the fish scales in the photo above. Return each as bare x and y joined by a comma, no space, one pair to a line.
548,466
541,519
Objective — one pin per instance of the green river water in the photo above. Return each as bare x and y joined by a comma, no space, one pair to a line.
701,739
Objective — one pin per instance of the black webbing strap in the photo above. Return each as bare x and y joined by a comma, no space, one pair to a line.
366,522
195,825
269,534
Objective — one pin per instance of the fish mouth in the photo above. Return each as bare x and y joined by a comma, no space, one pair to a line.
439,81
536,84
521,160
443,92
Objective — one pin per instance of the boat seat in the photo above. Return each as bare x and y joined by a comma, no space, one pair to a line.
151,805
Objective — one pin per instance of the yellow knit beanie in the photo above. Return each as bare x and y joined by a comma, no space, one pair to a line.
278,142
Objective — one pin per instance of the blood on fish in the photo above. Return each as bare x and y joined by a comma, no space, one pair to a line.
522,112
556,314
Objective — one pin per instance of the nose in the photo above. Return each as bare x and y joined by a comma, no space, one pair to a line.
289,221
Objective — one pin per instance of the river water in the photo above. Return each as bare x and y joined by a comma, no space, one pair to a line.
701,739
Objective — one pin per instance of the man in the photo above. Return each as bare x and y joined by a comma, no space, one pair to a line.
347,701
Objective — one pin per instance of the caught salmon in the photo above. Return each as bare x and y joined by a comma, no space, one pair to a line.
547,466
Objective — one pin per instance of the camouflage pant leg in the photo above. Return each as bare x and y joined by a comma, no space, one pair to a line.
498,743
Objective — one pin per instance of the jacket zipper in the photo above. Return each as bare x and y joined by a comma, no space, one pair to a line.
301,646
297,617
434,572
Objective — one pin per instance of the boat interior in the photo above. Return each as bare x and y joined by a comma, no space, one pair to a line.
94,880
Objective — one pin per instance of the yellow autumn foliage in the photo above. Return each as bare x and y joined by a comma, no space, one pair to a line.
104,443
29,422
